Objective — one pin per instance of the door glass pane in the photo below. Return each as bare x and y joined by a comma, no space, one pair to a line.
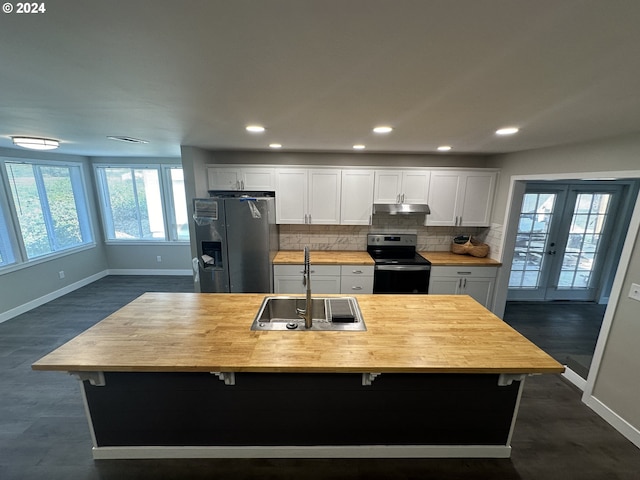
531,240
585,234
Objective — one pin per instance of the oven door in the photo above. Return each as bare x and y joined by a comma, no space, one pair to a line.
401,279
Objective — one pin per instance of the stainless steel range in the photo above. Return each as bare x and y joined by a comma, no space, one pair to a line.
398,268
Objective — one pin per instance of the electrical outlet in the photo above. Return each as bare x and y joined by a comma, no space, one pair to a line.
634,293
61,274
158,258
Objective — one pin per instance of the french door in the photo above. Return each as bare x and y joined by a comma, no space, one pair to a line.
563,234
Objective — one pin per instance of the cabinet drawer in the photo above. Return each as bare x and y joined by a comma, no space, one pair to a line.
357,270
352,284
321,270
462,271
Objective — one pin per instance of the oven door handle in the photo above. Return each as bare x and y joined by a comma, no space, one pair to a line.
403,268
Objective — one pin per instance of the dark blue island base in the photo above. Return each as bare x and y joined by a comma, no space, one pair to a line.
186,415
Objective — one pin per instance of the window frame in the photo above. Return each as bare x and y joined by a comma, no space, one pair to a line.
166,200
11,235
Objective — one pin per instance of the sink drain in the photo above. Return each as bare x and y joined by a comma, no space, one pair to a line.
292,325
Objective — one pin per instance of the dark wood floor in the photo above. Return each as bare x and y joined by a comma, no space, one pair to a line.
44,432
568,331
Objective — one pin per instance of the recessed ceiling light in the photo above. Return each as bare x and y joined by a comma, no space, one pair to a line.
255,128
275,145
35,143
507,131
382,129
444,148
359,147
127,139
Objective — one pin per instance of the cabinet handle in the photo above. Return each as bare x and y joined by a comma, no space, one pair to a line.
465,283
242,183
398,198
402,198
356,271
356,288
464,273
370,219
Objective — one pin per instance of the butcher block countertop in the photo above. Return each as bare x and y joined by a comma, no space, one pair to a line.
199,332
451,259
348,257
323,257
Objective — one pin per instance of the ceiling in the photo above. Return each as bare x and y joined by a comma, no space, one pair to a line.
320,74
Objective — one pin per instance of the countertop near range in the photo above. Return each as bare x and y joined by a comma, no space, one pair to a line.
349,257
443,259
199,332
323,257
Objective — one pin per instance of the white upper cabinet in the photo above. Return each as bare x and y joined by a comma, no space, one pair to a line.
401,186
461,198
356,200
241,178
308,196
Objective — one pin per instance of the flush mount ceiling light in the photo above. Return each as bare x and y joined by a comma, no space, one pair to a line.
507,131
35,143
359,147
382,129
255,128
275,145
127,139
444,148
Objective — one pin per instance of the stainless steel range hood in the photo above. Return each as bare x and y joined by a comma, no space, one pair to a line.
401,208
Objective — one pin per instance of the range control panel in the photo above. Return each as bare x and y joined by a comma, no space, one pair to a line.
392,240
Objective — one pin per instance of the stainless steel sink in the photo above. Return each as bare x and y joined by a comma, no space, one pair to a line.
329,313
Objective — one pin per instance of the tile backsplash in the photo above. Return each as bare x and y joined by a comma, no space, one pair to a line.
354,237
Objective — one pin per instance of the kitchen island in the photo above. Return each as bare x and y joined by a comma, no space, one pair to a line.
182,375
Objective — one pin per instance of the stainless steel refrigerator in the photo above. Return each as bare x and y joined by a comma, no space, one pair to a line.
237,238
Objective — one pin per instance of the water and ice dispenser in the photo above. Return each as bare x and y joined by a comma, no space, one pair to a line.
211,255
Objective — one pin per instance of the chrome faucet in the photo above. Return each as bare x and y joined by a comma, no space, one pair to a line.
307,312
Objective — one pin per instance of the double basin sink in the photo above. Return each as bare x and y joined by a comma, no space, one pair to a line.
328,314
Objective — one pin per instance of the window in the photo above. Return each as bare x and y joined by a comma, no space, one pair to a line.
6,252
143,203
49,202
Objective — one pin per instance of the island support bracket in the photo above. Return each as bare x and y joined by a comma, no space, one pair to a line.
229,378
95,378
368,378
506,379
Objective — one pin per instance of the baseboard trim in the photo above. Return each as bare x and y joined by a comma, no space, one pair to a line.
25,307
149,271
616,421
574,378
329,451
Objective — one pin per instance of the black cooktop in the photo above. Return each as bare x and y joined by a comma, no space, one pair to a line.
394,249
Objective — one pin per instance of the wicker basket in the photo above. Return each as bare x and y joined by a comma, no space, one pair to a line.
475,249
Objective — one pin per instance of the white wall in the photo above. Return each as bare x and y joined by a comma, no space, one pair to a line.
615,383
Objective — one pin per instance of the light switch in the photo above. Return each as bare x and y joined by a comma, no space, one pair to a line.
635,292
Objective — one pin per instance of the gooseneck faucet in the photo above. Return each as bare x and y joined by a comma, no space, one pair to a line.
307,312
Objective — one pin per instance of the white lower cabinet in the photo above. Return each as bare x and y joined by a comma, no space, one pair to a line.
477,282
325,279
287,279
356,279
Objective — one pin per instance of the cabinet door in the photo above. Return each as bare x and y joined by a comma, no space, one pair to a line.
443,285
443,198
480,289
285,284
223,178
324,196
325,285
415,186
477,199
291,195
387,186
258,178
356,200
